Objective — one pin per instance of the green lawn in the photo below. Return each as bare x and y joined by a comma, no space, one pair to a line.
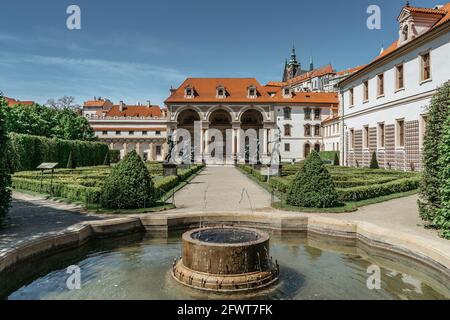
83,185
356,186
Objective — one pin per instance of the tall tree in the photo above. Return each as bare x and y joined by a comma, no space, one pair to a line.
5,177
66,102
430,188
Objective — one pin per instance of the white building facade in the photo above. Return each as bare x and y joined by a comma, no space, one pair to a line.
384,105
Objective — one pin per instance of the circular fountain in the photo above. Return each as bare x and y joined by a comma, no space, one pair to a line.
226,259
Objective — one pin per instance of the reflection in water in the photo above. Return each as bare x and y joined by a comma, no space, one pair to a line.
311,268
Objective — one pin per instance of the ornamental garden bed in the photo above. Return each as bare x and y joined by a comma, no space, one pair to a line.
356,186
83,185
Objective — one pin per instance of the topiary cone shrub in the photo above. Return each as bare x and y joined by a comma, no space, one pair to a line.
129,186
374,161
71,163
336,159
312,186
107,161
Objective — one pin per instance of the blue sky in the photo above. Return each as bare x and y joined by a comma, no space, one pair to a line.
135,50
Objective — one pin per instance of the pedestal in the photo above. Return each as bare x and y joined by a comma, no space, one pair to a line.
170,169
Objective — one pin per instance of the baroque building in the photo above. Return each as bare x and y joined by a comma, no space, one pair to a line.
221,104
383,106
129,127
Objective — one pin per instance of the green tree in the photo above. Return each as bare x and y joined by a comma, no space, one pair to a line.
129,186
374,161
312,186
336,159
5,176
442,218
430,188
48,122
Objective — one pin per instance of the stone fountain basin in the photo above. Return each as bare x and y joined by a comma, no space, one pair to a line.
226,251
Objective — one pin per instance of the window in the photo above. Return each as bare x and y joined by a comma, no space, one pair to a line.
405,33
287,130
158,133
117,133
352,139
144,133
317,114
351,100
220,92
381,135
287,113
252,92
189,92
287,92
381,85
131,133
400,133
366,137
426,67
307,114
287,147
104,133
307,130
399,78
317,130
366,91
158,150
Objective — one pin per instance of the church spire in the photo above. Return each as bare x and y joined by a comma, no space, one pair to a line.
311,63
293,56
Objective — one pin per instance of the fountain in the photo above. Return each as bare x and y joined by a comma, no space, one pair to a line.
225,259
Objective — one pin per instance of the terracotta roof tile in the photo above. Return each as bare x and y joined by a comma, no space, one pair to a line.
134,111
328,69
237,92
13,102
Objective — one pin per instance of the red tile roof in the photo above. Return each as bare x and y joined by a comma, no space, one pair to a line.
237,92
351,70
98,103
134,111
13,102
444,12
328,69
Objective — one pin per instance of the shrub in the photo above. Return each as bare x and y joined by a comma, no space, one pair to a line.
129,186
336,160
442,219
279,184
374,161
114,156
5,177
312,186
430,188
30,151
71,163
107,161
378,190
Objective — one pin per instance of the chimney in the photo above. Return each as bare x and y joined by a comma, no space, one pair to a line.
121,106
149,104
172,90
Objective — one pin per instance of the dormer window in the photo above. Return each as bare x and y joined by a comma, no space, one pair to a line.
287,93
189,92
252,92
221,92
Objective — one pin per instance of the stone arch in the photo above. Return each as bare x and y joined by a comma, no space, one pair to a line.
306,149
218,108
185,109
247,108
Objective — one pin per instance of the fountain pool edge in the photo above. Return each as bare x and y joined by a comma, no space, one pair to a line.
432,253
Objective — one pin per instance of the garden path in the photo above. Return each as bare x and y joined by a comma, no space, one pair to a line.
223,189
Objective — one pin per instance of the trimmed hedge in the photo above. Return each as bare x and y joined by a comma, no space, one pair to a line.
255,173
378,190
27,152
114,156
328,156
5,174
72,192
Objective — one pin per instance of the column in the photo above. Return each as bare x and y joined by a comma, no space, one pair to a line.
264,142
138,149
125,149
